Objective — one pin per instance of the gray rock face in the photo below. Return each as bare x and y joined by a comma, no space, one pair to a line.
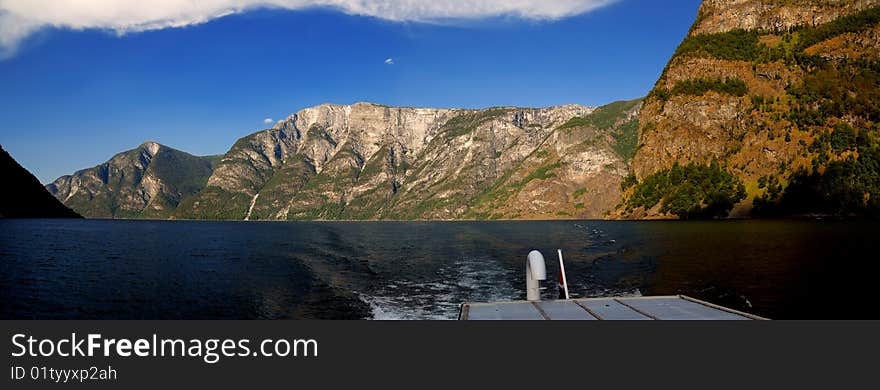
145,182
778,15
368,161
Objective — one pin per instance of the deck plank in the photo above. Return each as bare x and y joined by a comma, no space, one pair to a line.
608,309
565,310
622,308
504,311
674,308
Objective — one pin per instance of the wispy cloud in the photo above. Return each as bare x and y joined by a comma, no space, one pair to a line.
268,121
389,61
20,18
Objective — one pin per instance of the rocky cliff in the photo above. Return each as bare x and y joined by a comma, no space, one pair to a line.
23,196
368,161
718,16
146,182
766,107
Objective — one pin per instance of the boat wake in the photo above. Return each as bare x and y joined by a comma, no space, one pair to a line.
469,279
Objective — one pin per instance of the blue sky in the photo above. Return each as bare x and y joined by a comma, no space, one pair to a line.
71,98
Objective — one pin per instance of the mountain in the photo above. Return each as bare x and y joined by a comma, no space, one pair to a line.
766,108
146,182
23,196
368,161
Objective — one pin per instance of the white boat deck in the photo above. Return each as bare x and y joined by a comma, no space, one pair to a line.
674,307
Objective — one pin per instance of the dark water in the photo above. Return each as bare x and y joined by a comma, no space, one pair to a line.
77,269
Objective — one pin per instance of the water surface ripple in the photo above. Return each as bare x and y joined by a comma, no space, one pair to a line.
103,269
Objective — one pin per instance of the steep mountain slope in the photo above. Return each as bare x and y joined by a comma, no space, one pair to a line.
767,107
23,196
575,173
146,182
367,161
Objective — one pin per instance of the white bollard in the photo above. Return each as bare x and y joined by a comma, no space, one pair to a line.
536,271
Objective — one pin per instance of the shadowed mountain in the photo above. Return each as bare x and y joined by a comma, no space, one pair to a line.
146,182
23,196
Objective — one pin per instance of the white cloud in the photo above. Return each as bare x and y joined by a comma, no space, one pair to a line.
268,121
389,61
20,18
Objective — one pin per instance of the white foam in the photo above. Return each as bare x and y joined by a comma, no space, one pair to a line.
469,279
386,308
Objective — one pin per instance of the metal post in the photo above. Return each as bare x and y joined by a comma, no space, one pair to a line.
562,272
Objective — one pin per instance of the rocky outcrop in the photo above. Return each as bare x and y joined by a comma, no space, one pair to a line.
146,182
23,196
717,16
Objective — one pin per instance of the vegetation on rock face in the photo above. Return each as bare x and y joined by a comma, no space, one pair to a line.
626,139
607,116
547,173
628,181
834,90
604,117
809,136
699,87
737,45
742,45
466,123
844,178
693,191
184,172
145,182
214,203
731,86
809,36
626,133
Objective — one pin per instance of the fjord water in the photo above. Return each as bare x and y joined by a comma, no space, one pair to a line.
121,269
